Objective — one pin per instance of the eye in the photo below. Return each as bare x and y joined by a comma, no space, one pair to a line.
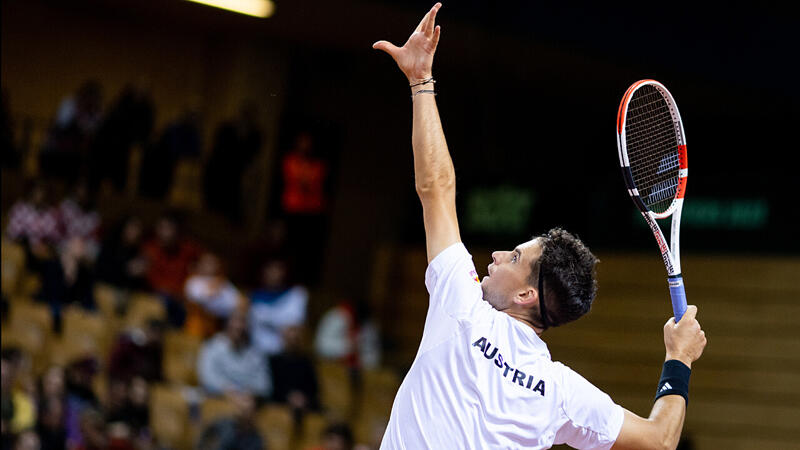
514,258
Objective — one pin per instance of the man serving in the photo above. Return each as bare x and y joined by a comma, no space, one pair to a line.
483,377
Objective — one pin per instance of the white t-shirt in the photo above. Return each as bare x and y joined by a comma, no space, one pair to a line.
482,379
269,319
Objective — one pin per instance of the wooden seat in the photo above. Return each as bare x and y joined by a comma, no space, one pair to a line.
32,313
29,284
82,325
32,340
313,426
143,307
335,388
186,187
214,408
275,424
65,349
180,357
13,265
107,298
169,417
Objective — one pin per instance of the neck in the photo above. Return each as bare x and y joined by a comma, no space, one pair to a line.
523,317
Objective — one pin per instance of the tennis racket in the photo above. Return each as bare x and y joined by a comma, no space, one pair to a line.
652,153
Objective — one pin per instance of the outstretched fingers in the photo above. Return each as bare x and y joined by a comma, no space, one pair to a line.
436,33
426,24
430,21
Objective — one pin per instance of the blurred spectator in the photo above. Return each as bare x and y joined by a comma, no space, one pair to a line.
51,428
303,178
80,220
52,397
72,281
28,440
34,222
346,332
66,275
122,409
235,144
294,375
180,139
80,398
169,256
138,353
337,436
210,296
10,156
233,433
120,262
18,407
92,431
304,203
229,362
72,132
271,244
128,122
68,280
275,306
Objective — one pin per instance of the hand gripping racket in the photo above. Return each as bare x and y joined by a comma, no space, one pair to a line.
652,153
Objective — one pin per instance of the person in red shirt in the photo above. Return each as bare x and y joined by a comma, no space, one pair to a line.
170,256
304,204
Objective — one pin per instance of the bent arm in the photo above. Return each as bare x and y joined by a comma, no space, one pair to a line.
434,176
684,342
661,430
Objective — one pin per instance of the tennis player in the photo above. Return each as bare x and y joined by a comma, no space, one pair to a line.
483,377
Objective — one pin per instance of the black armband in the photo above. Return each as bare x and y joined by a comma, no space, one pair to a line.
674,380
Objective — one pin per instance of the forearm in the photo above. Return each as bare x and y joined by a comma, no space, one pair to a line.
667,416
434,174
661,430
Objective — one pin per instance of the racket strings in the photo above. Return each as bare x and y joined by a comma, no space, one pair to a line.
652,145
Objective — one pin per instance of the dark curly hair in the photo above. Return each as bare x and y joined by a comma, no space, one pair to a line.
568,279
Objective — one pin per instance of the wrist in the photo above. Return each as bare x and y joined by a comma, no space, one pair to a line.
674,380
678,357
419,78
423,86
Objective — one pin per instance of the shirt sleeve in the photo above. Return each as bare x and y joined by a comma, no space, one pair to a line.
593,420
208,371
453,282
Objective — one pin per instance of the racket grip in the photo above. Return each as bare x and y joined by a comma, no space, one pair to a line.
678,295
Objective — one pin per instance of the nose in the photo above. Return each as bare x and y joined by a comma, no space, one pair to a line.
494,256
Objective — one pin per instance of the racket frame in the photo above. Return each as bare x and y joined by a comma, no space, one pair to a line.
669,253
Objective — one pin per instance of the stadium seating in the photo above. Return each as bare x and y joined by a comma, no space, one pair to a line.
180,357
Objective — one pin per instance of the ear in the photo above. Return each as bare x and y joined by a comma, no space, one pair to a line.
526,297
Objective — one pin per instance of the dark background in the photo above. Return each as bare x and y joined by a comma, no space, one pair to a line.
528,94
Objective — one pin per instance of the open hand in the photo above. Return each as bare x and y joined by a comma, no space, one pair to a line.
415,58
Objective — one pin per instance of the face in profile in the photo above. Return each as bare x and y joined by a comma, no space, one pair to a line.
509,274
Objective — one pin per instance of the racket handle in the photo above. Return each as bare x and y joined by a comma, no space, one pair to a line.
678,295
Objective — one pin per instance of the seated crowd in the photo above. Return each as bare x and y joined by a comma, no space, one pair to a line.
252,350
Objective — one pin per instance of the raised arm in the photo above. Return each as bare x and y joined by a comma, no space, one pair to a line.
684,342
433,169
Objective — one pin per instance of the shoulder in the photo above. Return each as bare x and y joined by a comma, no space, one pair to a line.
217,343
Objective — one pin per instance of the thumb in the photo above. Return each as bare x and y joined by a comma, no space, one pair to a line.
691,312
386,46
